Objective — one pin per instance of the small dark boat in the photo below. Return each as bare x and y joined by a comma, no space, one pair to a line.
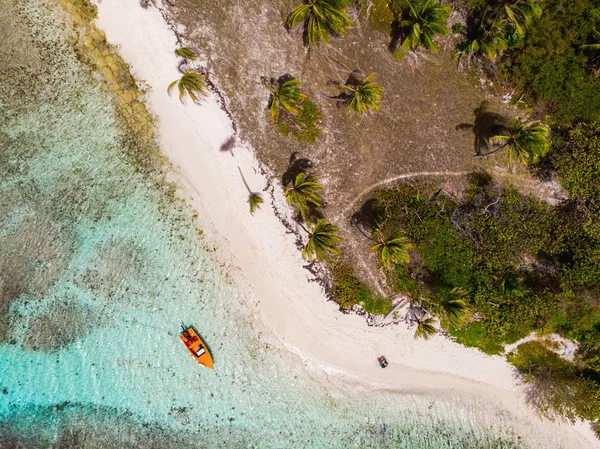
382,361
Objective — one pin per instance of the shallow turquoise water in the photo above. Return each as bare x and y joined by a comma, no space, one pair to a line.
98,271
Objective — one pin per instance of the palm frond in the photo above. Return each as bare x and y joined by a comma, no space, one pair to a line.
425,328
254,201
304,194
365,97
286,95
191,83
392,250
525,141
322,241
321,18
185,53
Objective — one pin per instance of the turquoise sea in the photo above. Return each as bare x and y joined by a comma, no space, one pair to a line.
98,269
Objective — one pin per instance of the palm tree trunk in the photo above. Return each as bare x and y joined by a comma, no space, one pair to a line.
338,99
244,179
305,230
355,223
478,156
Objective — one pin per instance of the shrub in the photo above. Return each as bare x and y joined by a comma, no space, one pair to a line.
556,386
303,126
348,290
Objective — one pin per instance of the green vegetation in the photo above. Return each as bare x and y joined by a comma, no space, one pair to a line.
392,249
519,259
550,52
322,241
364,96
302,126
254,201
555,386
192,83
185,53
420,21
526,142
320,19
497,265
485,38
348,290
291,110
450,306
425,327
285,95
576,158
303,194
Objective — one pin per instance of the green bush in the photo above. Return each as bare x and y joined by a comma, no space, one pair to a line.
348,290
556,386
516,256
548,63
475,336
303,126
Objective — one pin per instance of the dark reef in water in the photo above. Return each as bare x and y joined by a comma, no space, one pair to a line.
61,325
32,260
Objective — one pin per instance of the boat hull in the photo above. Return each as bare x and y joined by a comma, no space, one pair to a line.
196,347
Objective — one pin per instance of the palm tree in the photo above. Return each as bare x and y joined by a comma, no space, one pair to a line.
486,38
520,13
525,141
392,250
285,95
185,53
254,200
595,47
451,306
365,96
192,82
322,241
425,327
321,18
424,19
303,193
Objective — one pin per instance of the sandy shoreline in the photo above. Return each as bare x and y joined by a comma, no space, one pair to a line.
263,261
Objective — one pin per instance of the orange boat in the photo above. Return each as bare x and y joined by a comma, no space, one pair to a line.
196,346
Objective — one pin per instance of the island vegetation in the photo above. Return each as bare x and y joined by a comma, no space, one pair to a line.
486,262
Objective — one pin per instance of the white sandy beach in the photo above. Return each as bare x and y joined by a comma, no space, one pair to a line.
264,263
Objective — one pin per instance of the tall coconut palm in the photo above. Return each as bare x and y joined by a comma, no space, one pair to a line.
392,249
193,83
451,306
254,199
364,97
525,141
422,20
321,18
322,241
285,95
425,327
303,194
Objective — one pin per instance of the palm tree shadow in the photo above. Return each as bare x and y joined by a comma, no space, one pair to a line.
486,124
396,35
297,166
355,80
365,216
